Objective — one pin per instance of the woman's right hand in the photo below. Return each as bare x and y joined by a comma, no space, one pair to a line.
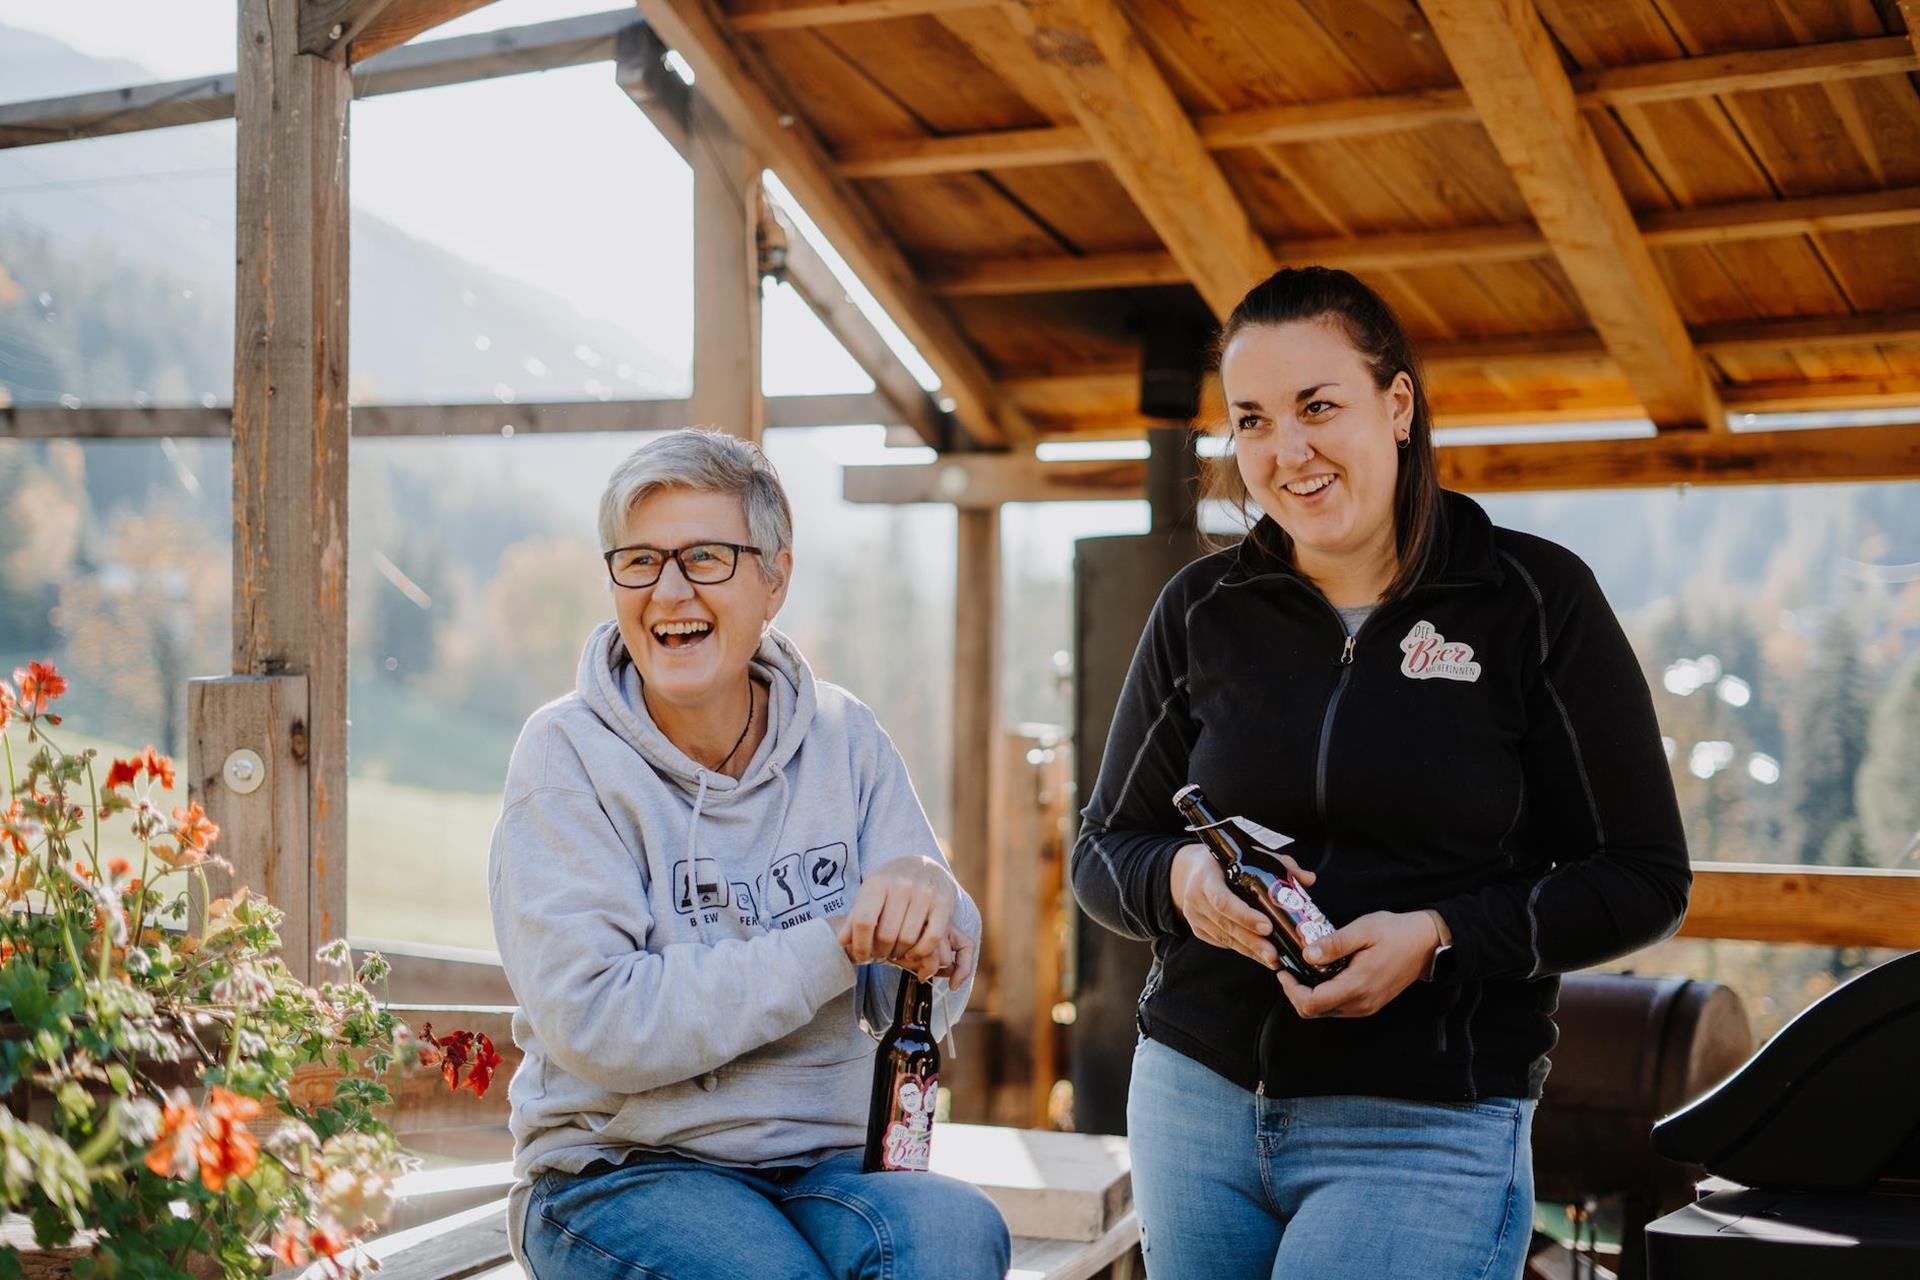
1215,915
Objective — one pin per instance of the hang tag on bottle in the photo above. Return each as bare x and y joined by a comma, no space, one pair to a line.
1270,840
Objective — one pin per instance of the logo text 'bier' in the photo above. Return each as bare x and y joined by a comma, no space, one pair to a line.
1431,656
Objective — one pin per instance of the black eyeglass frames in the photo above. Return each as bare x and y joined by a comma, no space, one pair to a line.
705,563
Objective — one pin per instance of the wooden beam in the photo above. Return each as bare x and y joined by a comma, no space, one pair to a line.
364,28
399,21
1510,68
747,96
430,975
1745,71
783,15
1453,246
640,69
793,259
327,27
1817,455
976,825
726,276
460,60
1140,129
1667,80
1823,906
1558,350
1824,455
1765,219
290,413
1910,11
1825,394
1808,332
112,422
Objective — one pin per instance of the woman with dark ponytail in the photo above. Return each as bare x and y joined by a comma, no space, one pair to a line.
1447,721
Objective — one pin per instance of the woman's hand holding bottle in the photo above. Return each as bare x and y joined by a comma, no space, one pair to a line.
1215,914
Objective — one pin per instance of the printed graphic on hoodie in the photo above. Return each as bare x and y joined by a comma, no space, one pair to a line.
801,885
1431,656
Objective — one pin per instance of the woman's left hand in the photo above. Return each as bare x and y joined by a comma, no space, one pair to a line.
1389,950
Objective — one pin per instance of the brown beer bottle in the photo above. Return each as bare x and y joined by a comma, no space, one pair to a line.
906,1073
1258,877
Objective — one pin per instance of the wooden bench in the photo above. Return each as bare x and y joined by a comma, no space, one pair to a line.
1067,1199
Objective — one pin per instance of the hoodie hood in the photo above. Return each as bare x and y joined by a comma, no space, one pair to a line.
609,683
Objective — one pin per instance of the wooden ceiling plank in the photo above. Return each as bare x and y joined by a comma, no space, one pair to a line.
997,43
733,79
1510,68
1140,129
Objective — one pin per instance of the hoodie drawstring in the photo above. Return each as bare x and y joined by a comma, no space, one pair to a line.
693,857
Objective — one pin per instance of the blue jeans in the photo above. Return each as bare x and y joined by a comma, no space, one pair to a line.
1232,1185
684,1220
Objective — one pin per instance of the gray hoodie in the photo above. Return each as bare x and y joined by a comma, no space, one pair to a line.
665,927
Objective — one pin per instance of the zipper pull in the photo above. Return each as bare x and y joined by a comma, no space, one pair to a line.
1346,653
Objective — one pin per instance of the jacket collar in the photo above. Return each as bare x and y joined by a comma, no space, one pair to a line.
1464,552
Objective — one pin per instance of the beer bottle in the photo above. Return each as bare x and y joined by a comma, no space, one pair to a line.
906,1073
1258,877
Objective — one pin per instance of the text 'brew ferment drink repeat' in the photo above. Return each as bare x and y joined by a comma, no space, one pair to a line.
1257,876
906,1076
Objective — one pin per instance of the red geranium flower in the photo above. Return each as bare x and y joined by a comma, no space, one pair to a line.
6,704
226,1147
463,1051
196,832
158,767
124,773
39,684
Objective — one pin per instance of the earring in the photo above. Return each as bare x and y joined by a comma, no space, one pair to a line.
1405,441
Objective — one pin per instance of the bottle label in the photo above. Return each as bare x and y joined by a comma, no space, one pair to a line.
1293,900
908,1144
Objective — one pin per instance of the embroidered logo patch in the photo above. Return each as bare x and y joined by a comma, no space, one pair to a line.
1431,656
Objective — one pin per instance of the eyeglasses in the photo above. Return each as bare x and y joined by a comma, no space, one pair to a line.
707,563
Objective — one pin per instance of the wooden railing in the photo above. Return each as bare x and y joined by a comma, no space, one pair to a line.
1825,906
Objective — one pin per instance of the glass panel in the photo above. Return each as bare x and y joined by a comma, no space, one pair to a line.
1777,628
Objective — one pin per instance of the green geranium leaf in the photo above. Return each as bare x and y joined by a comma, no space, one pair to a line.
25,994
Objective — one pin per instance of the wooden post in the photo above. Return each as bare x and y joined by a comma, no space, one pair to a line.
259,800
976,749
290,447
726,277
1025,930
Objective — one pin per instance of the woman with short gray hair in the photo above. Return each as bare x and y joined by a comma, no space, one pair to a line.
706,862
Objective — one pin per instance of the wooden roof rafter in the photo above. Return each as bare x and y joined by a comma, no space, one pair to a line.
1509,67
747,96
1140,130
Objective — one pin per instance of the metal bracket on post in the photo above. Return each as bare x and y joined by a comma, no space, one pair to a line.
247,766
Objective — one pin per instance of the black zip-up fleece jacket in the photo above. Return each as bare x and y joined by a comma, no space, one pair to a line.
1486,747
